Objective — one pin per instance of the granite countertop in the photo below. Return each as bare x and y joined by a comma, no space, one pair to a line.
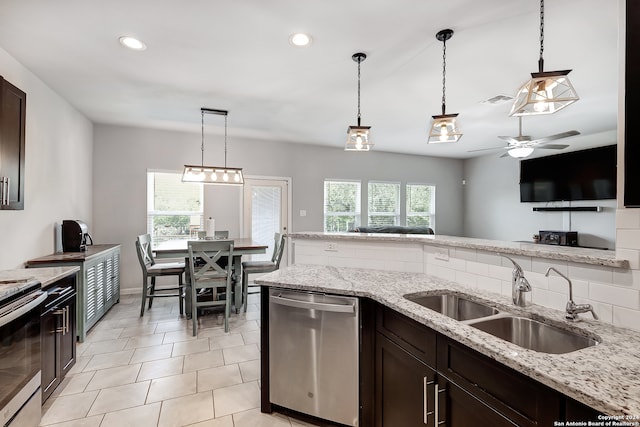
562,253
62,257
14,281
605,377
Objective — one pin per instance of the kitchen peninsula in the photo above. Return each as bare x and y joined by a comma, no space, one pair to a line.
383,268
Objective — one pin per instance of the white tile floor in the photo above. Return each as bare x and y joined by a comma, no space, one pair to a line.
150,371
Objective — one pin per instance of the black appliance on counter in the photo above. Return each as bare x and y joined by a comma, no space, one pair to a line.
75,236
560,238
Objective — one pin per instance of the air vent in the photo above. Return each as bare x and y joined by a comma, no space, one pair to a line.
498,99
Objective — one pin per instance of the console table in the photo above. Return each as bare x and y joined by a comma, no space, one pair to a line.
98,284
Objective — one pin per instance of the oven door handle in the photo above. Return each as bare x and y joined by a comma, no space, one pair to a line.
24,309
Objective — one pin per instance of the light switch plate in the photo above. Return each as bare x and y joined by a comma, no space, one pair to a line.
303,212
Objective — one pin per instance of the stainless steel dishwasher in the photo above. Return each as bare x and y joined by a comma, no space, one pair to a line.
313,354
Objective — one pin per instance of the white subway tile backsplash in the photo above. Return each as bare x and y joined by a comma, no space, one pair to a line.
627,239
631,255
628,218
537,280
442,272
549,299
540,265
466,279
627,278
626,318
523,261
466,254
478,268
500,273
490,284
629,298
591,273
490,258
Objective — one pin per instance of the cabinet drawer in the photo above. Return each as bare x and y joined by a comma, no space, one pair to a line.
417,339
518,397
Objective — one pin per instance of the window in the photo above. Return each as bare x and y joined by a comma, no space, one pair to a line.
384,203
174,208
421,204
341,205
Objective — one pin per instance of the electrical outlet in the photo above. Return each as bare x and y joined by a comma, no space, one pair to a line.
442,254
331,246
303,212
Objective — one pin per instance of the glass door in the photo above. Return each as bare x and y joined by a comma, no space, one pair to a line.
266,212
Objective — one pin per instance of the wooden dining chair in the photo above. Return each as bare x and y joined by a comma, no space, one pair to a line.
255,267
151,269
205,272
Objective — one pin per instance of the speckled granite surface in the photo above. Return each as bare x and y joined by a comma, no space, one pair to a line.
605,377
563,253
13,281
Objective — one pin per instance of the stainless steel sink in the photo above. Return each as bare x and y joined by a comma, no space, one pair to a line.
454,306
534,335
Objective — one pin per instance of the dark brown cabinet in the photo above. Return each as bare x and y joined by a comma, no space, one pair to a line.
58,334
405,377
424,378
12,141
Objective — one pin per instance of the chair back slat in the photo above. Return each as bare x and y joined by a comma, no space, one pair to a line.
143,248
210,252
278,249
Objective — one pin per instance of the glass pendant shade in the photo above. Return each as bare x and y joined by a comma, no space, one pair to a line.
358,139
212,175
545,93
444,128
520,152
221,175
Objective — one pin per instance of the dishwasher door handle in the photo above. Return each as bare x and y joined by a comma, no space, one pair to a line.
309,305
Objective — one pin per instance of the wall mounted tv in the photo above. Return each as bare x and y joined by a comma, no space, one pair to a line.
579,175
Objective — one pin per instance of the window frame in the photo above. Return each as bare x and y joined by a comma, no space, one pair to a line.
151,213
357,214
397,219
432,214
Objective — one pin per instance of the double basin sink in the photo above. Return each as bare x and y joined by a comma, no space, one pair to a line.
522,331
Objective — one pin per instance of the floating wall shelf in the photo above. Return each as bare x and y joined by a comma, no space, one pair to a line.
569,209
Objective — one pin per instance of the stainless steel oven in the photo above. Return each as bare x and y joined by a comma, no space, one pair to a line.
20,397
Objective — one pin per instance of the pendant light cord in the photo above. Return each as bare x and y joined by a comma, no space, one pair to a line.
541,60
225,141
359,61
202,139
444,74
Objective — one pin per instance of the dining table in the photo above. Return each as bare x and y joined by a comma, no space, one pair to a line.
242,246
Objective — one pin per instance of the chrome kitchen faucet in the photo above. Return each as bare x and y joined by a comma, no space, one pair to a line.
573,309
519,284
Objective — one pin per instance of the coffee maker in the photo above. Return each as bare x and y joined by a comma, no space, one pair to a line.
75,236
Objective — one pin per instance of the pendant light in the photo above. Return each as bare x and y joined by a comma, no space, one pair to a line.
213,174
546,92
444,127
358,137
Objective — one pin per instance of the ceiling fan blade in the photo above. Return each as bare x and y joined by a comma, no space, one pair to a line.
553,146
515,140
546,139
487,149
505,155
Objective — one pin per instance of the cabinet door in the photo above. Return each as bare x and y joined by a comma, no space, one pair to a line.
12,127
91,291
49,353
457,408
404,387
68,338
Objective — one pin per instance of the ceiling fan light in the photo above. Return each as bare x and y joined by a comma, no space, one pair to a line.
444,128
520,152
545,93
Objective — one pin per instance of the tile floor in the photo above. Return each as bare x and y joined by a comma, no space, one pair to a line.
151,371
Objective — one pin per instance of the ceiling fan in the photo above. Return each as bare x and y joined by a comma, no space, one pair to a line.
522,145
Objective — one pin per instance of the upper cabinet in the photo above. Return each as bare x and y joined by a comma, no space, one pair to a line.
12,128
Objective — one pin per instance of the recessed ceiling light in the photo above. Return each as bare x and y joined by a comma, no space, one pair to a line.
300,39
132,43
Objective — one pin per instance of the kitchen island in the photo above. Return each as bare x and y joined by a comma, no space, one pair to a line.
605,377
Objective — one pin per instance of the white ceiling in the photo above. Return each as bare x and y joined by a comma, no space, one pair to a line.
235,55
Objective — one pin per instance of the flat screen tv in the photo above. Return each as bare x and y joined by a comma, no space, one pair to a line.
579,175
